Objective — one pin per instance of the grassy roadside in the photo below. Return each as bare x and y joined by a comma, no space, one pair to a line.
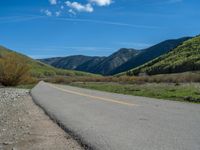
187,92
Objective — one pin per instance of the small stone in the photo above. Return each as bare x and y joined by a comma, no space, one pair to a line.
7,143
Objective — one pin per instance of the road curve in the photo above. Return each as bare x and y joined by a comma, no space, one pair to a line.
108,121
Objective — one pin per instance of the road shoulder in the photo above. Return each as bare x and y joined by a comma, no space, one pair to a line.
23,125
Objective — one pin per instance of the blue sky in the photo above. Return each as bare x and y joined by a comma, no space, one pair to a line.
47,28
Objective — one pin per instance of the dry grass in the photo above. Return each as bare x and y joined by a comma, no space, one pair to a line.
167,78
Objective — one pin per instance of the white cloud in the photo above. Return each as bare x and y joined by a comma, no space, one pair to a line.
72,12
53,2
58,13
74,6
80,7
62,7
101,2
47,12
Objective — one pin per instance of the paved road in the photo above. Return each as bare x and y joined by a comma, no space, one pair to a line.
107,121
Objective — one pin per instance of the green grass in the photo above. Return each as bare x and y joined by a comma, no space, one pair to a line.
188,92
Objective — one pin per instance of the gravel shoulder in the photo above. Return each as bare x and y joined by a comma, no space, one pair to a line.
23,125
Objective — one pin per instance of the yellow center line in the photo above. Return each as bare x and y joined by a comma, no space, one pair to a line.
95,97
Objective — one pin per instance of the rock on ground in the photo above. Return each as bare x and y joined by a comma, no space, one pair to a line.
24,126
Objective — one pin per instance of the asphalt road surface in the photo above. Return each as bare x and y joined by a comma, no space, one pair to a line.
108,121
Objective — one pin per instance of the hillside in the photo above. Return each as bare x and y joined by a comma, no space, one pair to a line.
98,65
39,69
150,54
115,60
185,57
89,65
70,62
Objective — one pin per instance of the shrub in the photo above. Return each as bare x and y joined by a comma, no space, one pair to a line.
13,70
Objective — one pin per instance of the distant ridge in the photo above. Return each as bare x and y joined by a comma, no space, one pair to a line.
98,65
70,62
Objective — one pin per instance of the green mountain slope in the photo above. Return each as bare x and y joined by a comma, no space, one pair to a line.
185,57
39,69
150,54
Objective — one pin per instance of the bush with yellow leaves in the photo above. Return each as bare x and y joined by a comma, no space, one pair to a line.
13,70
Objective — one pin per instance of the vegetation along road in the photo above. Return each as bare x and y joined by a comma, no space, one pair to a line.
109,121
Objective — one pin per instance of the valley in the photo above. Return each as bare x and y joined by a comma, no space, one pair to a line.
99,75
172,63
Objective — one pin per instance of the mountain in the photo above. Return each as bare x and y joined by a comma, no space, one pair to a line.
185,57
39,69
120,61
115,60
70,62
150,54
89,66
98,65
